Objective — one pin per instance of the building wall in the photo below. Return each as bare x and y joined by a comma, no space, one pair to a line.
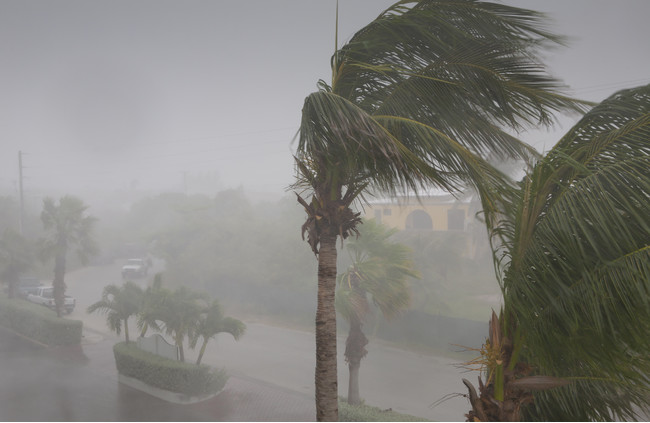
413,215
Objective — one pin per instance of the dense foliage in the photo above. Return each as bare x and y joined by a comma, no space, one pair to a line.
39,323
163,373
574,256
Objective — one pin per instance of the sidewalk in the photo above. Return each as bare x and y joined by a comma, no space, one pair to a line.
80,384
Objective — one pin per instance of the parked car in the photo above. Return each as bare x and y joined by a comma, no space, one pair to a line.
45,296
26,285
135,267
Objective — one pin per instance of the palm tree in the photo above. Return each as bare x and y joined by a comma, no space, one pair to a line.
119,303
179,313
417,99
16,256
152,302
574,259
379,270
211,323
66,226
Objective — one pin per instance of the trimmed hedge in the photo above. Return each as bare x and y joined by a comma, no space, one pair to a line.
163,373
39,323
366,413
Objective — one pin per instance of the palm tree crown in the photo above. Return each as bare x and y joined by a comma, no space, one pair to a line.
119,303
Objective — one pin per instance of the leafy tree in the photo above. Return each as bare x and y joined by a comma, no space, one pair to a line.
574,260
379,270
179,313
153,299
66,226
418,98
16,257
119,303
211,323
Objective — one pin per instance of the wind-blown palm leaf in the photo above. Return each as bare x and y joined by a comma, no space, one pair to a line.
576,263
119,303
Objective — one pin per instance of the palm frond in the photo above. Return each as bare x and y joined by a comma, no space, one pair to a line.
576,263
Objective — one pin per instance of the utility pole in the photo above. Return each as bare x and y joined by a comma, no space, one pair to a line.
20,188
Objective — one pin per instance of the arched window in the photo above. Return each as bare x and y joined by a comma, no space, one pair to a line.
419,220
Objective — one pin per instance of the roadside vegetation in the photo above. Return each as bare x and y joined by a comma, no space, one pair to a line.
38,323
181,314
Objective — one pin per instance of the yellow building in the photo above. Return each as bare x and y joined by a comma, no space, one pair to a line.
431,213
434,213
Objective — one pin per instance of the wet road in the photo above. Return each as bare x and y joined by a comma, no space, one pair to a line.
80,384
277,358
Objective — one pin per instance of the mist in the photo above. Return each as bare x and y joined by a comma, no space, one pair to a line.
174,122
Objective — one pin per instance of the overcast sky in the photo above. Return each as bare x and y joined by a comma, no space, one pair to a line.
116,94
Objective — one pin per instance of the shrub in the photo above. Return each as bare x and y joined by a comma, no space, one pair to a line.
39,323
366,413
163,373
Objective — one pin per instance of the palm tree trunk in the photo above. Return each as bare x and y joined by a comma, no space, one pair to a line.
354,351
126,330
326,373
179,344
205,344
58,284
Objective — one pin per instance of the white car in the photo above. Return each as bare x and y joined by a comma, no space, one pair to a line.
135,268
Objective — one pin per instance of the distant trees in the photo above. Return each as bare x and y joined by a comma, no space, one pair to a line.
67,226
379,275
573,255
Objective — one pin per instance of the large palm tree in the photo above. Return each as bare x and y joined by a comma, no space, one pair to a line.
574,256
67,226
417,99
379,275
119,303
211,323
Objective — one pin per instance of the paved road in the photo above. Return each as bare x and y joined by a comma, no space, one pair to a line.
390,378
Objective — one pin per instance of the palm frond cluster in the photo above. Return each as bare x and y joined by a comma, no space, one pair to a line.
180,314
574,254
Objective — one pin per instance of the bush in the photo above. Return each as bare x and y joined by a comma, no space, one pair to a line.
366,413
39,323
163,373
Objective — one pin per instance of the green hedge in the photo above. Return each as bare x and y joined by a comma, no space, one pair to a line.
366,413
39,323
163,373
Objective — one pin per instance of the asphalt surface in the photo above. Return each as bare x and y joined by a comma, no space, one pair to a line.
271,374
80,384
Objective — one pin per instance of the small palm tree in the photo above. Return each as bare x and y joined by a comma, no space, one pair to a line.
152,302
379,273
211,323
574,260
119,303
178,314
66,226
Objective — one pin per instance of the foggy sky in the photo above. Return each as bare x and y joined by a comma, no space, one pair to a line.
144,93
